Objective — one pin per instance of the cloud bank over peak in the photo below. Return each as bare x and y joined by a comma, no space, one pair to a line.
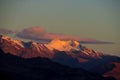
38,33
32,33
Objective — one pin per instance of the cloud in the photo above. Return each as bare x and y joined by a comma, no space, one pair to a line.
32,33
5,31
38,33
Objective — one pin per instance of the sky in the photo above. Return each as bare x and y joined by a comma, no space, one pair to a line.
95,19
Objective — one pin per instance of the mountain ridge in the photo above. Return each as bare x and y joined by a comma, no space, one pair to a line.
69,53
59,45
17,68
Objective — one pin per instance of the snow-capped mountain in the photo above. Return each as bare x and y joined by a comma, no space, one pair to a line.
35,49
66,52
24,49
63,45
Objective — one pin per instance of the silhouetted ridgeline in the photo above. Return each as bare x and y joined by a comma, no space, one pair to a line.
17,68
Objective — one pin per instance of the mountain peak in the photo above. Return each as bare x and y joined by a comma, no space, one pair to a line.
33,48
4,39
63,45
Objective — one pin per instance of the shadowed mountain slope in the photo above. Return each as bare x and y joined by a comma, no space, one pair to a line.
17,68
70,53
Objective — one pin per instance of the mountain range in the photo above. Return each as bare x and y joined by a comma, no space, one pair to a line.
63,53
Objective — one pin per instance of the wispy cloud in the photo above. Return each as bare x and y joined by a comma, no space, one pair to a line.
5,31
38,33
